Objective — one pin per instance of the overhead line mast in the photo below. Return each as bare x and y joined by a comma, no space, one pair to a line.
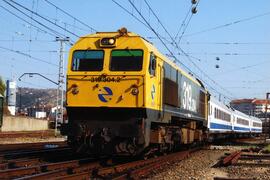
59,112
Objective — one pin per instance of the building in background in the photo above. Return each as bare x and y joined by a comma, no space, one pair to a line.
252,107
11,96
255,107
38,112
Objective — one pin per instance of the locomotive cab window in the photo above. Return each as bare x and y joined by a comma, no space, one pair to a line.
87,60
126,60
152,64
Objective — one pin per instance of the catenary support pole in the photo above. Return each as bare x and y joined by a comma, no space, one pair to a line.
60,90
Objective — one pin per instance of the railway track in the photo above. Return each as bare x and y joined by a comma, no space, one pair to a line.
254,140
55,160
243,159
45,133
258,141
31,146
61,163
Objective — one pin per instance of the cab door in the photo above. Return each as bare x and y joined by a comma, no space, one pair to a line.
159,82
153,83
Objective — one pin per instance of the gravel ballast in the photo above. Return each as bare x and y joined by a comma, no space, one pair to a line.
200,166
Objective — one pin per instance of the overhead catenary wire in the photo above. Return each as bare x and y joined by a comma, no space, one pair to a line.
127,11
214,43
159,21
40,51
183,22
29,56
55,33
248,67
135,17
152,29
247,87
172,39
26,40
73,26
228,24
159,37
230,43
207,76
228,53
185,28
172,55
27,22
173,42
42,17
66,24
65,12
188,56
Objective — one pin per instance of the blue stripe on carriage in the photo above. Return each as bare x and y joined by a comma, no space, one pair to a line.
228,127
241,128
256,130
220,126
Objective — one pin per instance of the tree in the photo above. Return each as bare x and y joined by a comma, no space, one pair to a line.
2,87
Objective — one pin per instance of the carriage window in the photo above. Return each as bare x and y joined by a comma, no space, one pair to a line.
152,64
126,60
87,60
255,124
242,121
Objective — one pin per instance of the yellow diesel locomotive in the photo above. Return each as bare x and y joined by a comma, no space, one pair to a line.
125,97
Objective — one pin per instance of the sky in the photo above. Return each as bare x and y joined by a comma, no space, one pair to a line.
225,44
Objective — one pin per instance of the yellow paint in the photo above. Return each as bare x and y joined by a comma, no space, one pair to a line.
198,135
88,92
187,136
155,137
87,95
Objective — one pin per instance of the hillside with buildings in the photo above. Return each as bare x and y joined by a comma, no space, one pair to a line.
30,99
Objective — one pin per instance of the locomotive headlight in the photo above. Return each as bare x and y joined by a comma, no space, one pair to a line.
111,41
107,42
135,91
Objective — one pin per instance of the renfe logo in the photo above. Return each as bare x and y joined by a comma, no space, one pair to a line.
105,96
153,91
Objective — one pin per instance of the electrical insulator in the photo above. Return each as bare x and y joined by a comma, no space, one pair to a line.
194,10
193,1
